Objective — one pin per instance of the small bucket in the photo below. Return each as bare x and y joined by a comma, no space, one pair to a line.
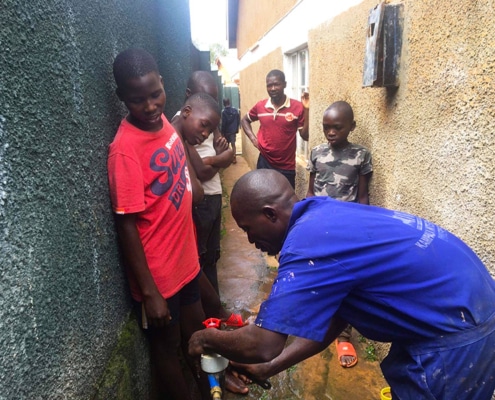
385,393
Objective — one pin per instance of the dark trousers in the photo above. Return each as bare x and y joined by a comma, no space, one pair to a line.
207,217
458,366
289,174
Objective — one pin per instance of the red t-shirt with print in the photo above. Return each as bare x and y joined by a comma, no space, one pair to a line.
148,175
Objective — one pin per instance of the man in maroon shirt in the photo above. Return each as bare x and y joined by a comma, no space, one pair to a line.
280,119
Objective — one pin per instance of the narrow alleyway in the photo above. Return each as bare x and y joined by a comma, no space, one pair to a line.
245,277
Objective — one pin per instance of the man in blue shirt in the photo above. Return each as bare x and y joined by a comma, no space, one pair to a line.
394,276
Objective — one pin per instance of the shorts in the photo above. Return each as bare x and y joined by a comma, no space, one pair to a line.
189,294
230,137
207,217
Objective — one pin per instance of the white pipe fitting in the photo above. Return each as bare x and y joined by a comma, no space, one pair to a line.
213,363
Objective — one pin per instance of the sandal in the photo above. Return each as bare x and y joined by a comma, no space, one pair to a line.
346,349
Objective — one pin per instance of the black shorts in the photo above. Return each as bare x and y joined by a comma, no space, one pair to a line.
230,137
189,294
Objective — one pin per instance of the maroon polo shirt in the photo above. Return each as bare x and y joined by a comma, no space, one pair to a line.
278,131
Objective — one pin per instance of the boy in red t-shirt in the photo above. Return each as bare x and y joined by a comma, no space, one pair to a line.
151,189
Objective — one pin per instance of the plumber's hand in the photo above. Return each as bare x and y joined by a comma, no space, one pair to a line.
196,343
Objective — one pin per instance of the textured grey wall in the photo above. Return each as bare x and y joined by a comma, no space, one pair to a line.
63,295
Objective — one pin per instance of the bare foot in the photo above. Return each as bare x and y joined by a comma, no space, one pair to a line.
346,361
234,384
241,376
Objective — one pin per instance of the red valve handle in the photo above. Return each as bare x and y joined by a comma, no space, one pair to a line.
212,322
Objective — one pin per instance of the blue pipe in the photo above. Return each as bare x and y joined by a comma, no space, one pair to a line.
216,390
213,380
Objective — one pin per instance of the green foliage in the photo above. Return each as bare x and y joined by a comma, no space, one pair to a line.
217,50
369,350
292,368
370,353
264,396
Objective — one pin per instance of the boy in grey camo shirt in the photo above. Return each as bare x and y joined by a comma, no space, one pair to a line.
341,170
338,168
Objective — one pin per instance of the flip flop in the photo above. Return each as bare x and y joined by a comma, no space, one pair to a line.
235,320
346,349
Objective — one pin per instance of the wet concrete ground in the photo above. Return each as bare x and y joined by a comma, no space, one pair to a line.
245,278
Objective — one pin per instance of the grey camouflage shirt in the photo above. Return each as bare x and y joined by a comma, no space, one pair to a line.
338,170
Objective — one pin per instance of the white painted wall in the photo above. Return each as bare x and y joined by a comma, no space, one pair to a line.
291,31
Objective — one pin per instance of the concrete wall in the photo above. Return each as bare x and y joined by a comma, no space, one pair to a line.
63,295
432,139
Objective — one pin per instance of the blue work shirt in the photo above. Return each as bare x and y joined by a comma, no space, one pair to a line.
395,277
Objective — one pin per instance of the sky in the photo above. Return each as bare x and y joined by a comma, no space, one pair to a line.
208,22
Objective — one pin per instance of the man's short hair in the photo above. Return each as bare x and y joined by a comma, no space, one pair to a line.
133,63
277,73
199,80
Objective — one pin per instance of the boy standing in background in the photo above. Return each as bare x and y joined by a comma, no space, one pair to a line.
230,124
341,170
207,159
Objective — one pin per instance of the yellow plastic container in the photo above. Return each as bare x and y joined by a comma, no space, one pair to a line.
385,393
